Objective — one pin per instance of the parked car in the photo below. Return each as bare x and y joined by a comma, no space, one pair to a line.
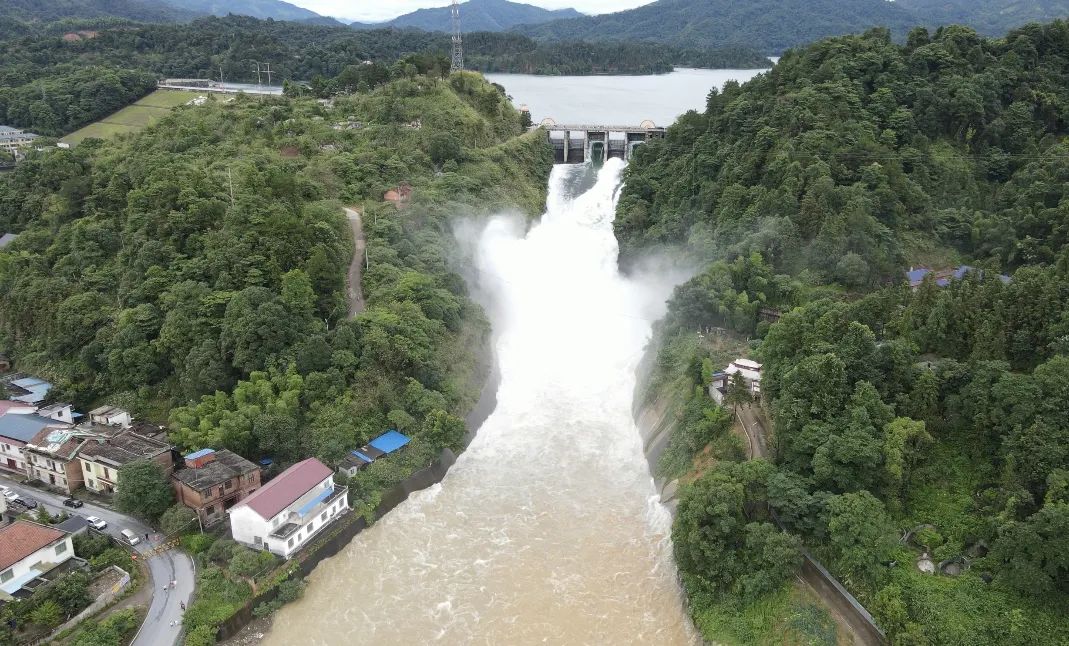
130,537
11,495
73,503
96,523
28,503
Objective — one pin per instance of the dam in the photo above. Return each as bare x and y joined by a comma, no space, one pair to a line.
579,143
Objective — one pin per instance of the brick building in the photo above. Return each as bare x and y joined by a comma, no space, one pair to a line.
212,482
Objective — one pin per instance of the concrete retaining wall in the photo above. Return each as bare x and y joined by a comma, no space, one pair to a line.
98,605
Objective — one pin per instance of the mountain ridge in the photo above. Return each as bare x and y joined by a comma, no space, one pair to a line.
263,9
475,15
766,25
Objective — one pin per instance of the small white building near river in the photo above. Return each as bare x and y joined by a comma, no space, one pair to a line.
751,374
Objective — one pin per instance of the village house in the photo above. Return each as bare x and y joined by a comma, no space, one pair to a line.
19,425
943,277
52,458
212,482
751,375
29,551
400,196
288,511
102,457
59,412
13,140
110,416
384,444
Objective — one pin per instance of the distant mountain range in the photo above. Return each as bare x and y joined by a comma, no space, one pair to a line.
476,15
991,17
31,11
770,26
275,9
775,25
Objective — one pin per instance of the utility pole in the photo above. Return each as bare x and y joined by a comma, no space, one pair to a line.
268,71
458,41
258,79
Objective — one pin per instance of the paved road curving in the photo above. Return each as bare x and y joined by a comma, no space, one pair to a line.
163,568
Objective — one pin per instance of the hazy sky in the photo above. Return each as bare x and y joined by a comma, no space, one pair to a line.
370,10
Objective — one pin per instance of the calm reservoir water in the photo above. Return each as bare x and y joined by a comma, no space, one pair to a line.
616,100
548,530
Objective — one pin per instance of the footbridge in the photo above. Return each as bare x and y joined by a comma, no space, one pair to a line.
577,144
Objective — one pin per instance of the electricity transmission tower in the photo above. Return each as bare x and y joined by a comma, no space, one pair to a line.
458,41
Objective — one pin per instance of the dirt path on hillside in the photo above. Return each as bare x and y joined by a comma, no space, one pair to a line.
356,266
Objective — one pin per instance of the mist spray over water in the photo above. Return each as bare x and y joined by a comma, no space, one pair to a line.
547,529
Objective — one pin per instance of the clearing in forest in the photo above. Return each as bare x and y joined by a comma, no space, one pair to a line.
134,117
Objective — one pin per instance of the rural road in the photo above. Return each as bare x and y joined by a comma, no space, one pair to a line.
848,617
755,430
356,266
164,568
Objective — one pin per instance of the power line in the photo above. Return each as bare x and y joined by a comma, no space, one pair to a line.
458,41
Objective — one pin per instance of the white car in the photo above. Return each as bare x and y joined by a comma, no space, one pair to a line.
96,523
10,494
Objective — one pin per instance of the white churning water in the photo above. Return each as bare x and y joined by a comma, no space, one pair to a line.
548,529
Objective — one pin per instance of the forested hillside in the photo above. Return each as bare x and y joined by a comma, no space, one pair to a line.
201,264
274,9
476,15
909,427
38,11
992,17
773,26
770,26
855,158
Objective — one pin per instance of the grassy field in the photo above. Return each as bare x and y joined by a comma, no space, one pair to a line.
133,117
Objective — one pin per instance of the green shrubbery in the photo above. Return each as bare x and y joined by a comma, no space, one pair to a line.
944,405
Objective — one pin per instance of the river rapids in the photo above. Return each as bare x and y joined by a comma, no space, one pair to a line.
548,529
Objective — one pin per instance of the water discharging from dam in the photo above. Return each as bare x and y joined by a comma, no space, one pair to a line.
547,530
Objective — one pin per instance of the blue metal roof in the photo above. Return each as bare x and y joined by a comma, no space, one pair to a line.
389,441
960,272
917,275
38,389
199,454
362,457
308,506
24,427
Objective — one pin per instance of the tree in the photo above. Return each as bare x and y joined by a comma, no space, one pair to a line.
143,490
48,614
1033,555
178,519
249,564
445,430
738,392
903,438
860,537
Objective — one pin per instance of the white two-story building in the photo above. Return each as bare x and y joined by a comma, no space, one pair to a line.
283,515
28,551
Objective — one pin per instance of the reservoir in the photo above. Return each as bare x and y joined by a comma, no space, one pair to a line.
548,529
616,100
